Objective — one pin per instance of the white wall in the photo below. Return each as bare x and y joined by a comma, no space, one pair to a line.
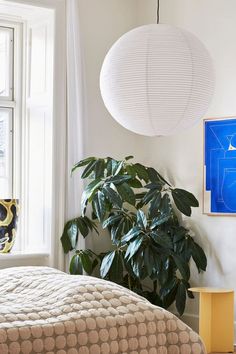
181,156
102,23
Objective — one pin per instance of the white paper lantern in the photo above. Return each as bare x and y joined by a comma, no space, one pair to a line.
157,80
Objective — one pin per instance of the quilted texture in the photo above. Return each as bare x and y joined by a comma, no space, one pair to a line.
43,310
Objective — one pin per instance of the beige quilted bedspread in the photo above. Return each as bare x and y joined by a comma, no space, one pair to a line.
43,310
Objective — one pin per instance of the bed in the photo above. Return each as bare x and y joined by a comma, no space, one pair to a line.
43,310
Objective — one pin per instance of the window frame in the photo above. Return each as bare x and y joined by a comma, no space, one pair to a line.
14,100
52,257
10,152
19,135
16,104
11,29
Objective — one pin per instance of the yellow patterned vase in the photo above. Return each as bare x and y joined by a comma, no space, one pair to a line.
9,210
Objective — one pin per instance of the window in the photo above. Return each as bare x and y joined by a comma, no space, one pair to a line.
6,60
26,120
6,110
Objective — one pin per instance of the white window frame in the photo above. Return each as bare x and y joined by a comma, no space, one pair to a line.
10,152
59,138
14,100
10,28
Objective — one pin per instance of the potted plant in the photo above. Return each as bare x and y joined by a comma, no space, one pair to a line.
150,249
9,212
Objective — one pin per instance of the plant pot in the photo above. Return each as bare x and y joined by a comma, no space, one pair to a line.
9,210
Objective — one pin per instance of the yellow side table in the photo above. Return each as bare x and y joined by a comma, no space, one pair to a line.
216,319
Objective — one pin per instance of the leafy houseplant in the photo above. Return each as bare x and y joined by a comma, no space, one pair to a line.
150,251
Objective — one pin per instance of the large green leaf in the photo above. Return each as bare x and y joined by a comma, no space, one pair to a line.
179,234
135,183
82,226
89,169
116,270
162,239
106,263
170,297
119,179
179,248
72,232
75,265
150,195
69,236
100,205
72,228
131,170
116,232
82,163
141,219
94,264
130,157
65,240
118,168
84,202
181,205
148,260
157,221
187,250
141,172
184,200
135,231
168,287
152,174
90,189
138,268
113,219
128,225
187,286
66,243
114,166
113,196
199,256
111,166
154,205
165,206
181,298
156,259
99,168
182,266
133,247
86,261
126,193
188,197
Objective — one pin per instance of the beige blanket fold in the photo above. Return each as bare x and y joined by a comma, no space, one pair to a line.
43,310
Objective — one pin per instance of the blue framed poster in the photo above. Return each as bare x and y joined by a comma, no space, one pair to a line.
220,166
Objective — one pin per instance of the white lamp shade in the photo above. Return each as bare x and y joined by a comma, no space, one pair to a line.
157,80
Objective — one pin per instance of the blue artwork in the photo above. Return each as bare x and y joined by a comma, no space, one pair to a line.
220,165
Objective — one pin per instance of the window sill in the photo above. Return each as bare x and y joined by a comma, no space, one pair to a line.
22,255
18,259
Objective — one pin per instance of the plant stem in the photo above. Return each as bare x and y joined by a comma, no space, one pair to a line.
129,282
155,286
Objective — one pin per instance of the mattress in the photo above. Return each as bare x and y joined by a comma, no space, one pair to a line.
43,310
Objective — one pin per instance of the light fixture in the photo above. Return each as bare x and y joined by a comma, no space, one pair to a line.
157,80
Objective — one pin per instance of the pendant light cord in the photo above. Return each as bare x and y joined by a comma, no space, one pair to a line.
158,11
